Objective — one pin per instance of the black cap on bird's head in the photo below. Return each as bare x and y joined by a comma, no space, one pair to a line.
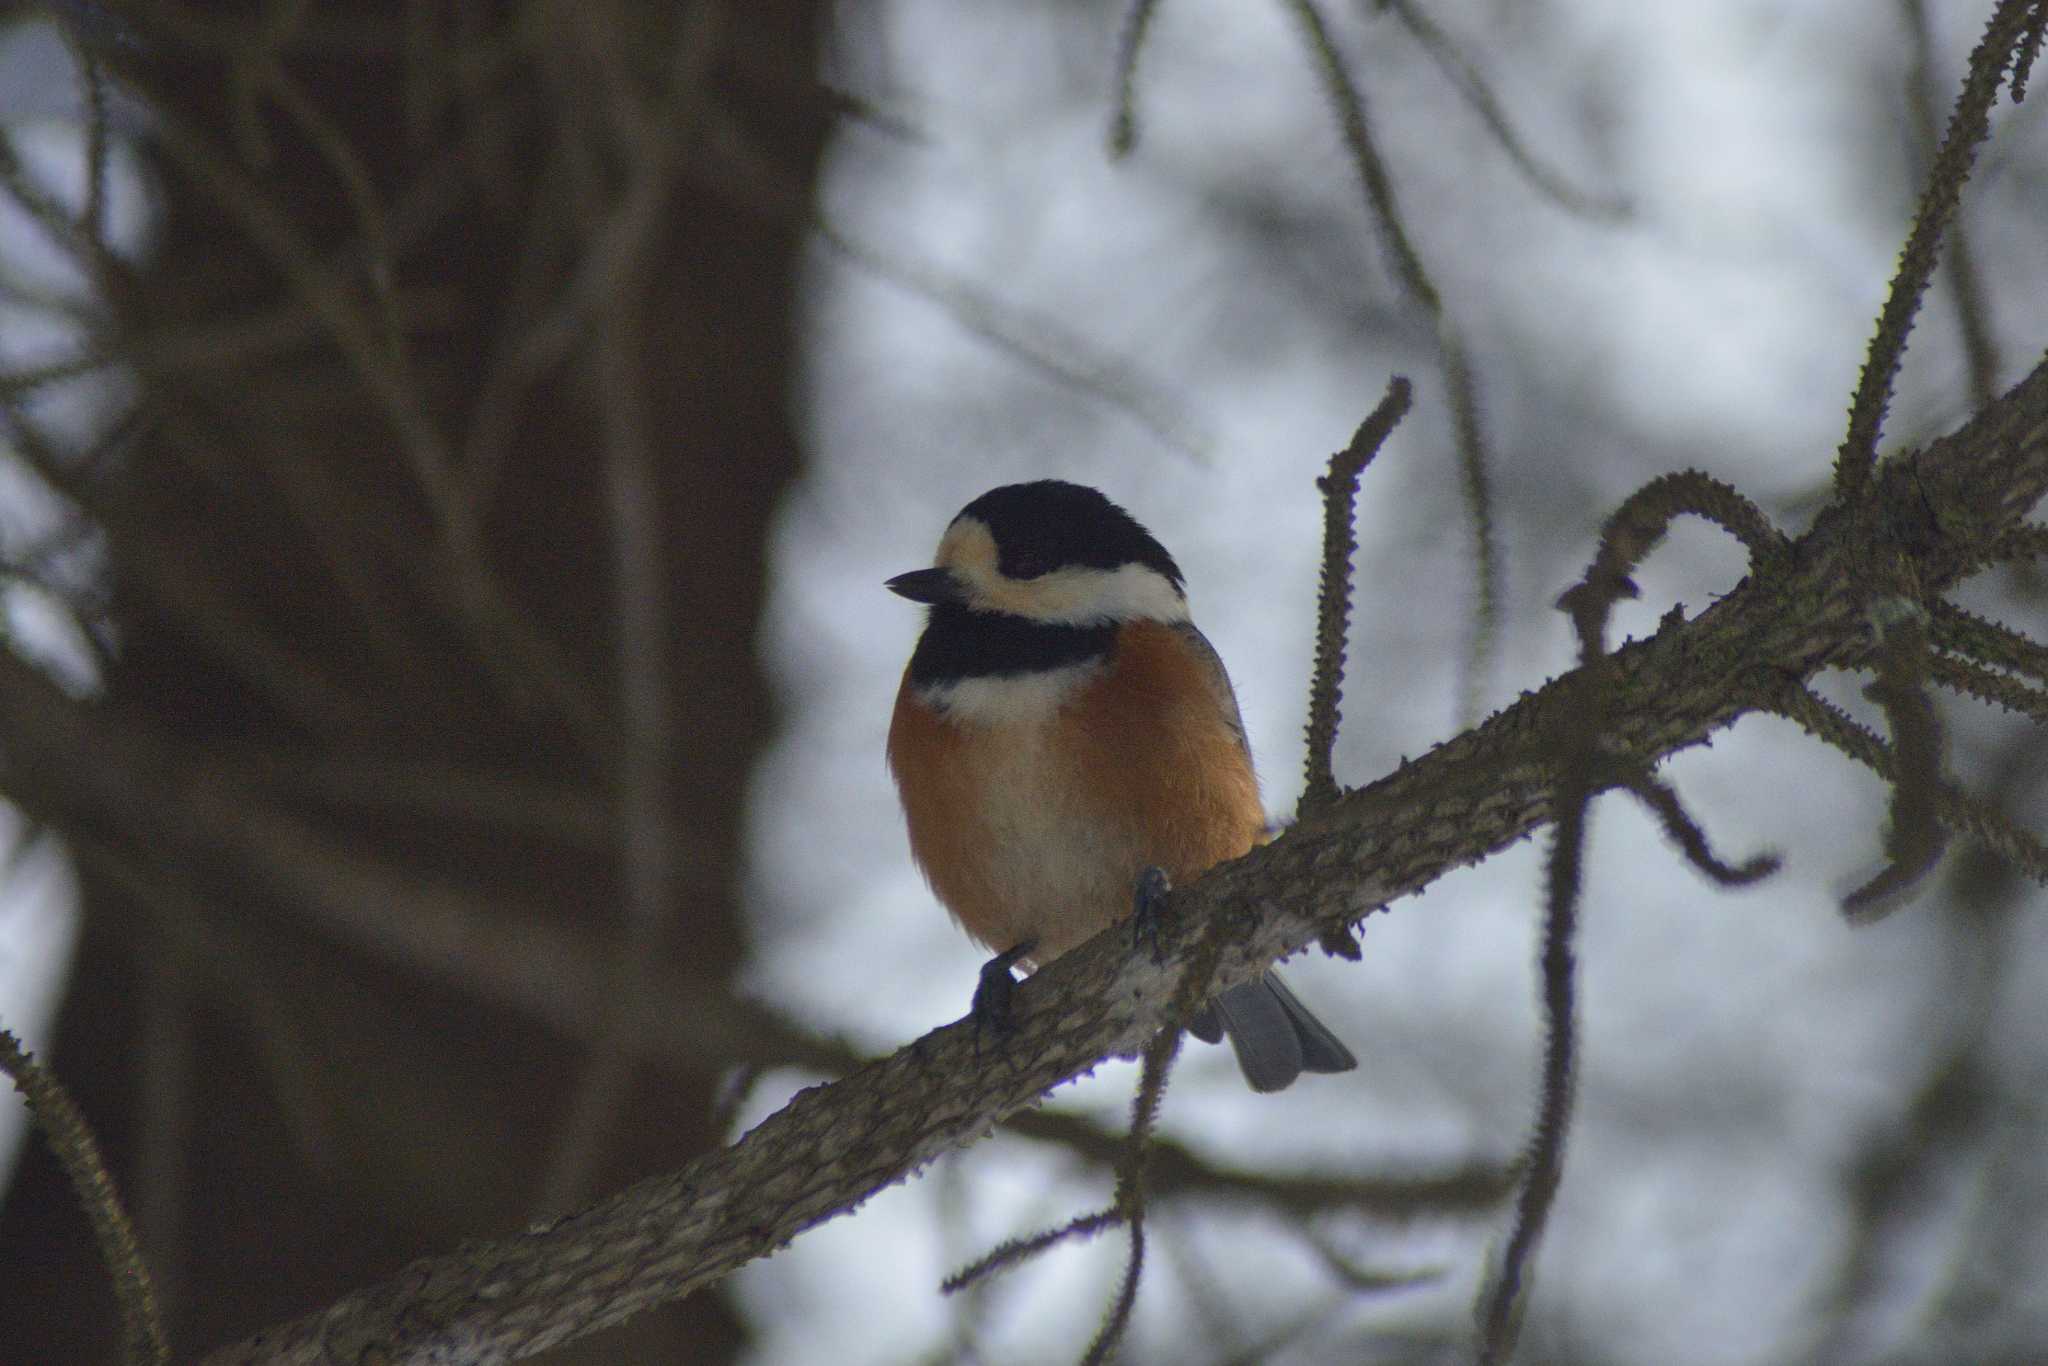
1051,524
1050,551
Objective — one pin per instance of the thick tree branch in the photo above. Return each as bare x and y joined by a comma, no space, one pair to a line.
1941,512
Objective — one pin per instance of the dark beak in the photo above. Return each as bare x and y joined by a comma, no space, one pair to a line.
934,586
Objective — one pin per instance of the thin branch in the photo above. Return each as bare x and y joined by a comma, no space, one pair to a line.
1460,382
1583,744
92,84
1684,832
1638,526
1132,1158
223,622
333,146
1990,686
1130,41
1475,478
1473,88
186,927
23,381
523,661
2028,48
64,1127
1118,1317
1368,1280
1915,837
1968,126
1156,1065
1967,634
1333,599
1959,811
2022,542
1973,312
1017,1250
1499,1315
65,231
1579,737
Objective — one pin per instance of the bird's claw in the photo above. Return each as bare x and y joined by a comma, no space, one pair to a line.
995,992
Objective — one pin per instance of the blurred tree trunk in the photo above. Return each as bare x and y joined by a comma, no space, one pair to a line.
374,529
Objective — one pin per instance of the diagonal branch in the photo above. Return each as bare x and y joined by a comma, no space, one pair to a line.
834,1146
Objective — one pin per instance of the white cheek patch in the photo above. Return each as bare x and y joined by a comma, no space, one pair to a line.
968,550
1077,595
1009,699
1121,594
1089,597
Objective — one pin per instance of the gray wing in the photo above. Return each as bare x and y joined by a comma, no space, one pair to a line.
1219,680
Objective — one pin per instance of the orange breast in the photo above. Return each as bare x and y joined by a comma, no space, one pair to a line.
1037,827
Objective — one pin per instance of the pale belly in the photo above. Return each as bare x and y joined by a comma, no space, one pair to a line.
1059,870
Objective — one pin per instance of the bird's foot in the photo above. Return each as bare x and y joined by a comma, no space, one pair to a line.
995,991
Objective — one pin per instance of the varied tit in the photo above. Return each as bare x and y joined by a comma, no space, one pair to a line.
1063,730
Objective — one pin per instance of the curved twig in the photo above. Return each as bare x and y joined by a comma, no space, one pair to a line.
1333,599
57,1115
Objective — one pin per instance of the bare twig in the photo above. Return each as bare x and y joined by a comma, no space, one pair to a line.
1118,1317
1959,811
1683,831
225,623
1583,748
1579,736
1333,597
360,190
1968,126
1638,526
1459,380
1130,41
1973,316
1499,1312
1915,838
1472,87
1967,634
142,1329
1989,686
2029,47
528,666
1009,1253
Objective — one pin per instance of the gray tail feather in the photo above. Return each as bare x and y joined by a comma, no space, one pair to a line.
1275,1036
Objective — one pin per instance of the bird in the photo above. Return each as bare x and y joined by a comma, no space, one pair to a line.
1066,743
